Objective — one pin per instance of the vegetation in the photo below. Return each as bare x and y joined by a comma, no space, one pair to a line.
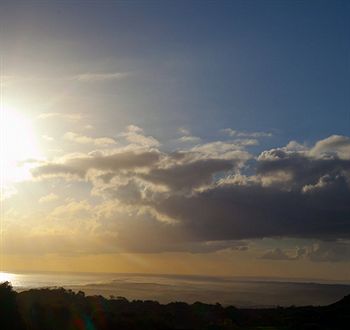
56,309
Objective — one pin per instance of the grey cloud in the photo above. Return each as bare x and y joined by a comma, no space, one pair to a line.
189,139
128,192
142,232
57,170
135,135
83,139
232,132
74,117
335,144
118,161
277,254
330,252
310,201
114,162
322,251
240,212
188,175
301,168
222,150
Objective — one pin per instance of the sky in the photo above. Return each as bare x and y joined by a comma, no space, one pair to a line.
187,137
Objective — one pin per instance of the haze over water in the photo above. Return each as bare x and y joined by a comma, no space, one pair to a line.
168,288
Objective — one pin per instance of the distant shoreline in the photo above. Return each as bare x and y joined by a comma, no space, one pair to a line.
222,278
237,291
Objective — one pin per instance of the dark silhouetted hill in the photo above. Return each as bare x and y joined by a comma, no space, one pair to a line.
61,309
342,303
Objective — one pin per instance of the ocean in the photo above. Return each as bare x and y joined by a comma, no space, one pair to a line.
240,292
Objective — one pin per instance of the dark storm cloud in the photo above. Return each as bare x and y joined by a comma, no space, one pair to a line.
240,212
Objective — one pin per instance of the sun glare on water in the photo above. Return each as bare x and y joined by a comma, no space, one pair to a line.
17,144
7,277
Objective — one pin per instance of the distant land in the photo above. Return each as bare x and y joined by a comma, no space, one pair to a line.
166,288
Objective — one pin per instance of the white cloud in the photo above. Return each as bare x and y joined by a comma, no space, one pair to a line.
335,145
184,131
135,135
83,139
99,77
48,198
67,116
234,133
189,139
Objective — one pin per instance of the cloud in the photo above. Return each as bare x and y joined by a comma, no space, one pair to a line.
78,227
299,169
335,145
232,212
188,175
215,192
292,194
74,117
322,251
134,134
57,170
48,198
80,165
99,77
184,131
234,133
73,210
189,139
83,139
221,150
330,252
277,254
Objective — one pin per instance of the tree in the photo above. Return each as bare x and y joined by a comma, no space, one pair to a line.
9,315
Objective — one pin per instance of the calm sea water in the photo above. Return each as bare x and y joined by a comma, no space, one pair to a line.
22,281
167,288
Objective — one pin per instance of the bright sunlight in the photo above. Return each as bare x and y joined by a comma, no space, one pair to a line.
17,144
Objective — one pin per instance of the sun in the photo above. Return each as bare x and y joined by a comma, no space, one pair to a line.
7,277
17,145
